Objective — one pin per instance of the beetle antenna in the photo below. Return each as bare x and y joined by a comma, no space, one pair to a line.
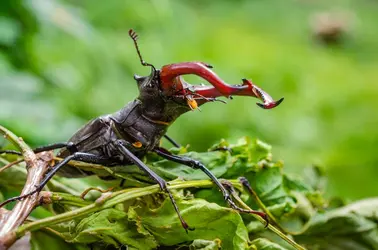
134,36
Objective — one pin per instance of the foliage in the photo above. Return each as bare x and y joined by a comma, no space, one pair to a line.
65,62
148,220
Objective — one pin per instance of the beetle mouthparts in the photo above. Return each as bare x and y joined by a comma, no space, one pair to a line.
270,105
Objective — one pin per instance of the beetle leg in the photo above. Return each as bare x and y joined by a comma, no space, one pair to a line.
170,77
160,181
198,165
229,187
84,157
69,145
172,141
10,152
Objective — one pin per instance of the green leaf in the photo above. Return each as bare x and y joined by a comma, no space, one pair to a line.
147,225
315,177
40,240
149,222
354,226
205,244
268,185
244,156
217,162
113,227
13,179
210,220
264,244
295,183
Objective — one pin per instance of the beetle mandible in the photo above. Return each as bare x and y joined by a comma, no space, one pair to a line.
124,137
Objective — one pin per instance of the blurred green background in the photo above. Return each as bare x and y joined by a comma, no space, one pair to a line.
65,62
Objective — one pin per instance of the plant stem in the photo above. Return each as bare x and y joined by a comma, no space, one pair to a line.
36,168
261,204
63,198
108,201
17,141
104,202
270,226
10,164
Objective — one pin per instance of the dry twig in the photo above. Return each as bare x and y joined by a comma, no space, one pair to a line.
36,166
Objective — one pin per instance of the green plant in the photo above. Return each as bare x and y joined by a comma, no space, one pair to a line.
139,216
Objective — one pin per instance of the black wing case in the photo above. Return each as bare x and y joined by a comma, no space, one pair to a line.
91,138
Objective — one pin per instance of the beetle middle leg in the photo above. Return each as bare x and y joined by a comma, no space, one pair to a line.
198,165
160,181
79,156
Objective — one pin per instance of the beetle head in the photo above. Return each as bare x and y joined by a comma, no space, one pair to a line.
148,85
166,90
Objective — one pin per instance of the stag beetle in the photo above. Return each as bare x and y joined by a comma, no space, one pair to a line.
124,137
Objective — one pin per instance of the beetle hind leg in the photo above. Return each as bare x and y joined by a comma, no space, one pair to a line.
198,165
